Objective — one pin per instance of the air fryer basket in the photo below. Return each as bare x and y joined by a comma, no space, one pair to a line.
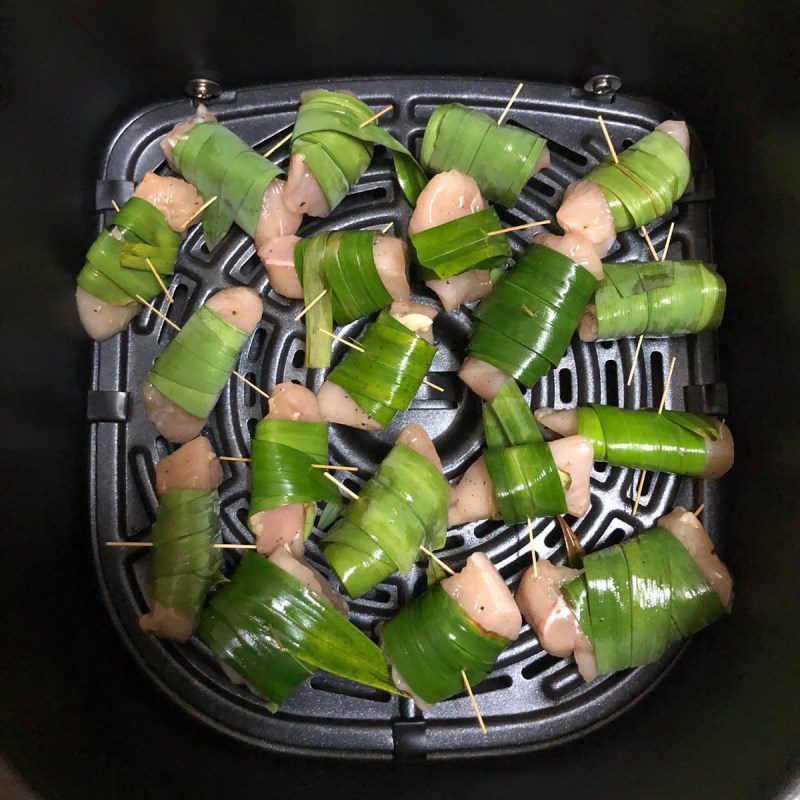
531,700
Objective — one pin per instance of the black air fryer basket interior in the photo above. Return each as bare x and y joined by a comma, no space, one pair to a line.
80,719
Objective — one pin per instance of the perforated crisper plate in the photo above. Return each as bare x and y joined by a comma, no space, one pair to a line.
531,700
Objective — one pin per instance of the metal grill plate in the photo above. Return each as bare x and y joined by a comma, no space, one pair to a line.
531,700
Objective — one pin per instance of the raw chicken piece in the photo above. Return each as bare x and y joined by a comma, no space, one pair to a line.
337,406
103,320
194,465
678,130
474,284
719,452
286,525
545,610
242,307
587,327
543,162
416,437
482,593
447,196
574,247
168,623
309,577
303,194
416,317
584,211
177,200
391,261
484,379
275,219
181,129
473,498
687,529
277,256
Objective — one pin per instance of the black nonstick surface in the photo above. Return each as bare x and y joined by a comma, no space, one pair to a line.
78,717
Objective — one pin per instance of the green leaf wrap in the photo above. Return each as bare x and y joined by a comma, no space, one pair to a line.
274,632
403,506
524,476
673,441
432,639
555,290
116,268
385,377
338,151
343,262
184,562
218,163
500,158
197,363
282,453
646,182
637,598
658,298
461,244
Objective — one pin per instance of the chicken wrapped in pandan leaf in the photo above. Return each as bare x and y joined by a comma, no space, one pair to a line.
285,486
524,326
186,380
382,377
638,438
402,507
649,178
500,158
331,151
520,476
461,624
246,185
277,621
655,299
148,226
184,562
631,601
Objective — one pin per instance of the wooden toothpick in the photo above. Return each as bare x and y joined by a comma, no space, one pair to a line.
335,466
198,212
234,458
608,139
150,544
509,104
278,144
386,227
519,227
649,243
346,489
160,282
699,509
178,327
375,116
116,207
528,312
342,340
635,358
667,243
437,560
474,702
534,559
432,385
660,410
308,307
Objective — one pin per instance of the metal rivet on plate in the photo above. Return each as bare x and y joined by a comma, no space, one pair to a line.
603,84
202,88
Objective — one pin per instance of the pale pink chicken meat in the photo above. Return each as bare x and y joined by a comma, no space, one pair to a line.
336,404
585,211
102,320
417,438
242,307
546,611
287,525
587,327
276,219
483,595
302,571
575,248
182,128
719,452
303,195
474,284
177,200
192,466
277,256
484,379
473,497
678,130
